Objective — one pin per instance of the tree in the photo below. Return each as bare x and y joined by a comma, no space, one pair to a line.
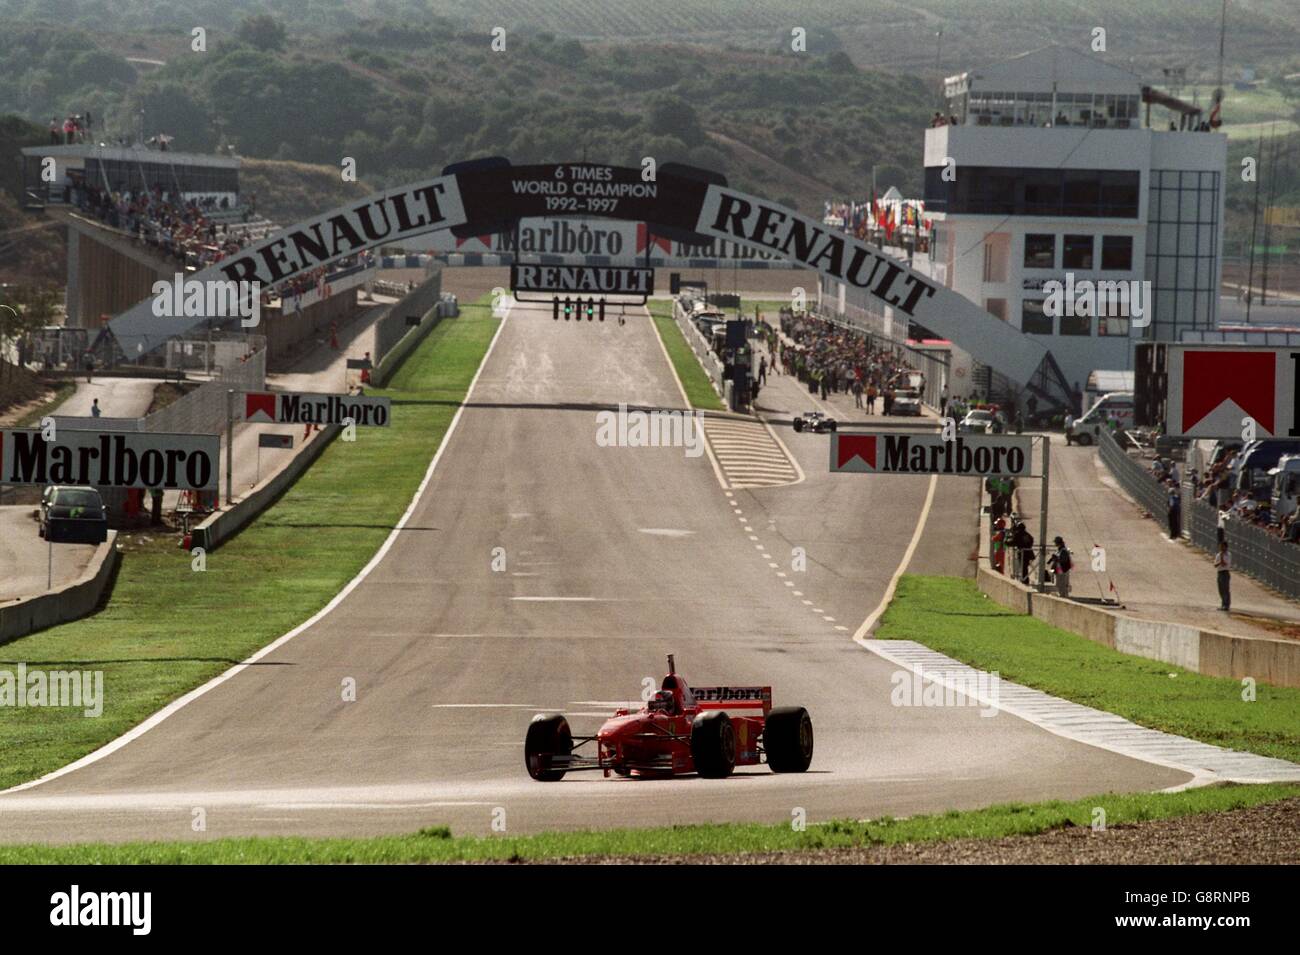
23,310
262,31
673,116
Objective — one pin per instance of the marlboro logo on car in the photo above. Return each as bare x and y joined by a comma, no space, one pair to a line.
928,453
186,462
290,408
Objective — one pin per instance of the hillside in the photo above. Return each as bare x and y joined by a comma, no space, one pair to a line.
30,253
404,100
290,191
874,33
406,86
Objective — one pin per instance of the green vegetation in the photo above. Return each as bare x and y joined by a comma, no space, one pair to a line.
277,573
438,845
405,96
950,615
61,393
699,390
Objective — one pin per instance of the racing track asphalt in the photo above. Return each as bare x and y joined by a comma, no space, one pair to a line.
614,557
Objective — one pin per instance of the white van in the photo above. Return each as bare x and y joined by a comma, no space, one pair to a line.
1087,430
1286,486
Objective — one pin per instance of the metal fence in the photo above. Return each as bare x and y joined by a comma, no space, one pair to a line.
1137,481
1255,551
203,410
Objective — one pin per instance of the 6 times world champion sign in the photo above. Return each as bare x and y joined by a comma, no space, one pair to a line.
928,453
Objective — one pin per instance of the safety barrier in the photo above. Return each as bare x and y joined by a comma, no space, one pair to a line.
203,410
712,366
222,525
395,339
1255,551
1204,651
68,602
1137,481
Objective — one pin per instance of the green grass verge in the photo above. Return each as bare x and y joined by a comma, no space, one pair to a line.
62,392
950,615
167,629
699,390
438,845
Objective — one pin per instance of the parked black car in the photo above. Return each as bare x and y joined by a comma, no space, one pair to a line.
73,515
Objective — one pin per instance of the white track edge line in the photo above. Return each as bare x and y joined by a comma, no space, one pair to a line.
1199,777
173,707
870,622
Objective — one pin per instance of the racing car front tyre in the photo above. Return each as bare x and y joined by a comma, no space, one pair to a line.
834,426
798,425
713,745
788,739
548,735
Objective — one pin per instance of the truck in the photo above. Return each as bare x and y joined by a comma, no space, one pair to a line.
1286,486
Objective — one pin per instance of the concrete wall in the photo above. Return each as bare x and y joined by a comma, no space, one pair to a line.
1204,651
107,274
68,602
392,328
223,525
391,348
284,331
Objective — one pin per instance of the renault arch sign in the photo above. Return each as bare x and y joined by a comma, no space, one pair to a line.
690,205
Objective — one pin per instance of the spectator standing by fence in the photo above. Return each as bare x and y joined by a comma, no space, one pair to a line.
1223,564
1175,507
1060,564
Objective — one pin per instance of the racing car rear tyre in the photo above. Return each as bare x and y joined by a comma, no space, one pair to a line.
548,735
788,739
798,426
713,745
833,425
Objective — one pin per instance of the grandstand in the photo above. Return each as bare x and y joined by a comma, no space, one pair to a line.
136,215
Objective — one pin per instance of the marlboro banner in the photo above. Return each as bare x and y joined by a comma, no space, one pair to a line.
928,453
187,462
275,407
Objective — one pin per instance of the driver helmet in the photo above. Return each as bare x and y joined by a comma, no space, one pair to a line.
663,700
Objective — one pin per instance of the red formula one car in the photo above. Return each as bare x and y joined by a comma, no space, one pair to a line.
681,730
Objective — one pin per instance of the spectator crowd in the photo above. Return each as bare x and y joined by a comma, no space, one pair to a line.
831,359
1235,498
186,231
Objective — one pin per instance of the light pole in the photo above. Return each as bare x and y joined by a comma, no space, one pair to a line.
938,47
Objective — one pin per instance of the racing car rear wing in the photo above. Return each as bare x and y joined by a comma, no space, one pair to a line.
733,697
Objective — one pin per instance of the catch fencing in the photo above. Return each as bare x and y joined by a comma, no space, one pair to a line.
1139,483
1254,550
203,410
